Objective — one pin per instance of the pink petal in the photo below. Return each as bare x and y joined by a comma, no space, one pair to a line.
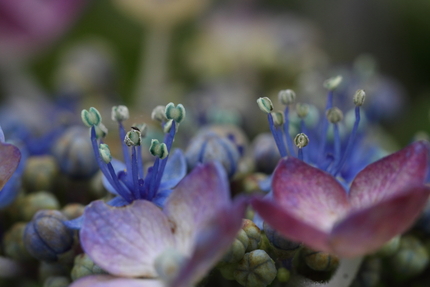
9,160
111,281
390,175
195,201
125,240
211,243
366,230
308,194
289,225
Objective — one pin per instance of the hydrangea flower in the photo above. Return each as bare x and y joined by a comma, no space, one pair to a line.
177,245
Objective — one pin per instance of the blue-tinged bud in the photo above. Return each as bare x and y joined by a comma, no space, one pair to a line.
105,153
158,149
57,281
74,153
285,248
175,113
159,114
369,274
301,140
256,269
120,113
13,243
411,258
133,137
237,249
287,97
265,104
46,237
209,146
84,266
265,153
40,173
91,117
320,261
332,83
30,204
253,233
101,131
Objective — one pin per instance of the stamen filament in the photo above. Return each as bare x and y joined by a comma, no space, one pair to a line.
323,139
277,135
125,150
288,138
134,172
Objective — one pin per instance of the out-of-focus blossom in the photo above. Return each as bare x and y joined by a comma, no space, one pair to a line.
177,245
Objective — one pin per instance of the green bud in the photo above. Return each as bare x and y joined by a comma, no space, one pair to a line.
302,110
287,97
320,261
237,249
101,131
133,137
283,275
334,115
168,264
84,266
278,118
56,281
411,258
389,248
91,117
105,153
159,114
40,173
13,244
359,98
265,104
301,140
36,201
158,149
332,83
175,113
120,113
256,269
253,233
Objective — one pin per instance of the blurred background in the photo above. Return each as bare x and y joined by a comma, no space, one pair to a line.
219,55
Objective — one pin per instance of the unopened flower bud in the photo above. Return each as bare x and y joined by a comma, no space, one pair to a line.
283,275
411,258
133,137
253,233
265,104
91,117
284,248
320,261
237,249
13,243
302,110
301,140
36,201
256,269
158,149
101,131
332,83
159,114
84,266
46,237
57,281
168,264
105,153
40,173
359,98
175,113
287,97
334,115
120,113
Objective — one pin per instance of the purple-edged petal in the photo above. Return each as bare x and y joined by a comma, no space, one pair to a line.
196,200
211,243
392,174
308,194
9,160
126,240
289,225
10,190
118,166
368,229
175,170
111,281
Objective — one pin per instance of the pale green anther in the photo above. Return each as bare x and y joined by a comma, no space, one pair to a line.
359,98
143,128
301,140
175,113
133,137
158,114
332,83
287,97
158,149
334,115
278,118
91,117
265,104
101,131
302,110
256,269
120,113
105,153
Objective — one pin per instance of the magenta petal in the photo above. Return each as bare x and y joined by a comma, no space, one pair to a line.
111,281
126,240
309,194
9,160
196,200
366,230
394,173
211,243
290,226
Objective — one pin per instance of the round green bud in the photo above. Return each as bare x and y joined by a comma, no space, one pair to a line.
265,104
390,247
56,281
133,137
105,153
332,83
237,249
158,149
256,269
359,97
287,97
84,266
120,113
36,201
411,258
253,233
40,173
320,261
283,275
91,117
73,210
301,140
101,131
175,113
13,244
227,270
334,115
278,118
302,110
158,114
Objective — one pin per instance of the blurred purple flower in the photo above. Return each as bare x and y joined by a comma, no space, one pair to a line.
10,157
311,206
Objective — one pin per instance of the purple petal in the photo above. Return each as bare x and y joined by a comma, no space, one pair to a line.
211,243
175,170
290,226
366,230
111,281
392,174
9,160
125,240
308,194
196,200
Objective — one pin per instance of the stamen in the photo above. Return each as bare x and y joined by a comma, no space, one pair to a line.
134,172
334,116
288,138
301,140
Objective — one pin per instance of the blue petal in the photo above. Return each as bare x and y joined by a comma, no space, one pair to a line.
161,196
117,202
176,169
117,166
